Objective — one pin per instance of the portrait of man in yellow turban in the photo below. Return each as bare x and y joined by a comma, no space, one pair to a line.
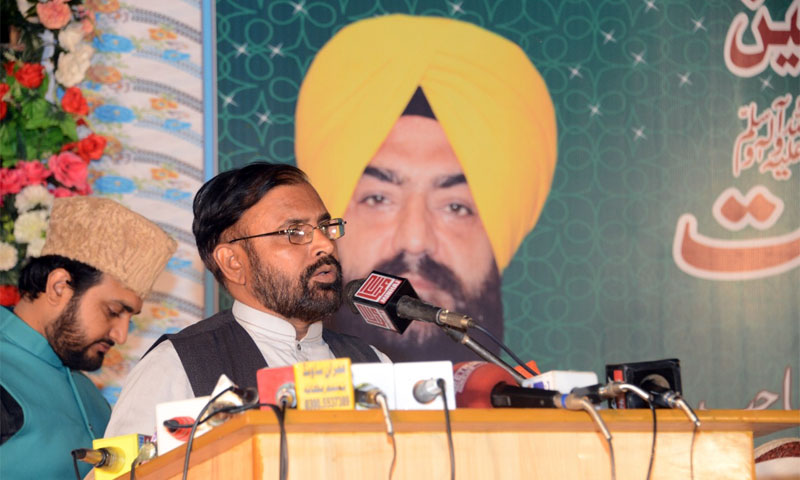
435,140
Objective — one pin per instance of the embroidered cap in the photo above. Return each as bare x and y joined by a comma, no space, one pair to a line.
111,238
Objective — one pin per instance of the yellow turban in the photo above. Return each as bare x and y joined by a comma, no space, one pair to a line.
491,102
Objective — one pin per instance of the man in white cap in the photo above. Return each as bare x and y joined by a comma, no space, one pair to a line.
98,264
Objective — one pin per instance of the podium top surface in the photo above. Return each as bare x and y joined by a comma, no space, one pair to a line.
760,422
488,421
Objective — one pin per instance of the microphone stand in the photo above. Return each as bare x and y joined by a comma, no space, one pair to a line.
461,337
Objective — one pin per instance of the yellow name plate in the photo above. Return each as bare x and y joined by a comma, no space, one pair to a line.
324,385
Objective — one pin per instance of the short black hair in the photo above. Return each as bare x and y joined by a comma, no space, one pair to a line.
33,277
222,201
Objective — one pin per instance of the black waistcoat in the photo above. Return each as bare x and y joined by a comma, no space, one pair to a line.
220,345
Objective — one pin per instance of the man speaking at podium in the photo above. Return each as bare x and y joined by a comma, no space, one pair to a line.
436,139
264,233
98,263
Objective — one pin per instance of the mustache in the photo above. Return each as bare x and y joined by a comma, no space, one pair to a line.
438,274
107,341
326,260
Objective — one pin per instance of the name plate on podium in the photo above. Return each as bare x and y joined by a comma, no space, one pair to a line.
324,385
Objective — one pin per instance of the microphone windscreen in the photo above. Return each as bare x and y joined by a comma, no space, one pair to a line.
474,382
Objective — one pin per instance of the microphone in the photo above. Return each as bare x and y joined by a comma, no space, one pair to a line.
223,407
367,395
276,385
482,385
473,380
664,397
659,388
505,395
461,337
599,392
370,396
113,456
99,458
486,385
613,389
426,391
391,303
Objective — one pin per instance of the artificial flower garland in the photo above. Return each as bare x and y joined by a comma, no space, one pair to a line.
46,145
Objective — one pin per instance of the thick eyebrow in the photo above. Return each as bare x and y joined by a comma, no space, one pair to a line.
125,306
293,221
390,176
383,175
452,180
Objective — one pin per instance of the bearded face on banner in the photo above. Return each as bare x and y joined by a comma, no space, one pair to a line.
436,140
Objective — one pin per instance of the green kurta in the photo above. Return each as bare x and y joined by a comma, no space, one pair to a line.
62,409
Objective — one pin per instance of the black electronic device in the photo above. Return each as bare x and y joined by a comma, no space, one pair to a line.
665,374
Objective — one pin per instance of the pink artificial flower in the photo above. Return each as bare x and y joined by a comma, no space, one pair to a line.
69,169
87,21
60,192
84,189
54,14
35,172
11,181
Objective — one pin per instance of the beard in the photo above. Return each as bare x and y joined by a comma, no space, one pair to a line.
68,340
298,300
424,341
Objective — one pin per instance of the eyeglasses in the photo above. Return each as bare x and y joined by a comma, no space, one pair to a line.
302,233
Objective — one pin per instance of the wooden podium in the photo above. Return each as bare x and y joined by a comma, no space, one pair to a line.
489,444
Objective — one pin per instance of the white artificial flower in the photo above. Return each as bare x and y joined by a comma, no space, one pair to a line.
35,247
8,256
71,36
31,196
84,51
31,225
72,66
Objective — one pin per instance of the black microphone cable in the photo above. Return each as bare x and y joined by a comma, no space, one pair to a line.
653,444
75,464
196,423
231,409
280,415
442,392
497,341
200,420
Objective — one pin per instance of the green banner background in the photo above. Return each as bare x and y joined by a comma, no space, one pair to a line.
595,282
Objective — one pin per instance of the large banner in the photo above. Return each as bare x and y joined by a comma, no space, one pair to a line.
596,182
145,90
